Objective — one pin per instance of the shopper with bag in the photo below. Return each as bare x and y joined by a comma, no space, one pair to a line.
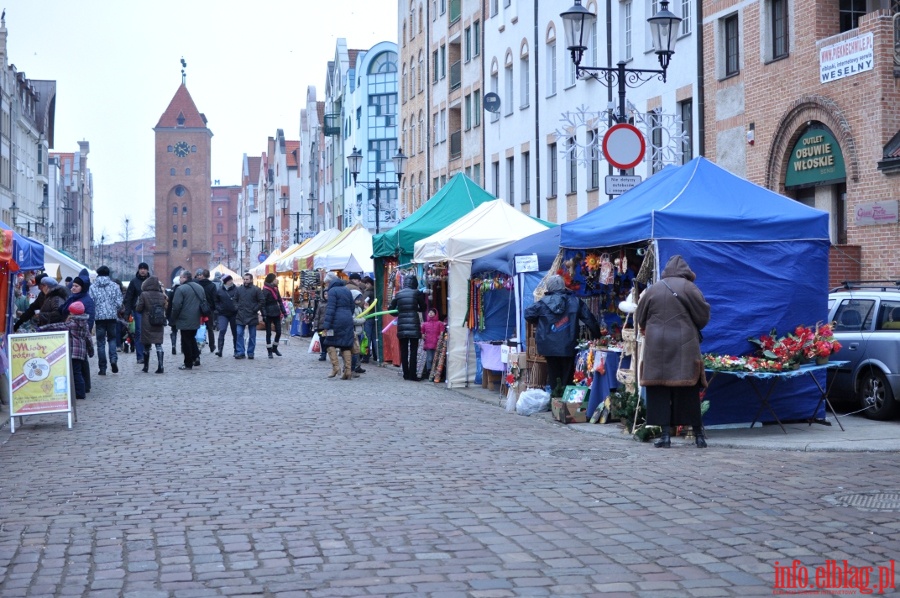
338,326
410,305
186,315
670,314
273,313
151,309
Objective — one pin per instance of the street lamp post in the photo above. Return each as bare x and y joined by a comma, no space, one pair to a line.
663,29
285,201
102,241
354,161
126,245
262,242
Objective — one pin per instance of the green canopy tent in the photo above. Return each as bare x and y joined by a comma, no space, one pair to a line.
455,199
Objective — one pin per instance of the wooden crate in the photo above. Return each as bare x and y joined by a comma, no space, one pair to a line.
535,374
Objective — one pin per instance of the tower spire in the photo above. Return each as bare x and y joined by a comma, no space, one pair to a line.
183,66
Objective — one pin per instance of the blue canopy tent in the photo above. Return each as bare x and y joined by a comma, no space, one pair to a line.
761,261
27,254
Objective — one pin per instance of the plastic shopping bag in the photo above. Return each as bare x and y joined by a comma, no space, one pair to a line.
533,400
315,346
201,335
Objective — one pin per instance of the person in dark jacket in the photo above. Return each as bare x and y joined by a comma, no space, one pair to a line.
556,316
670,313
338,326
201,277
411,306
152,296
80,345
186,315
273,313
35,306
226,310
248,299
80,292
131,296
55,296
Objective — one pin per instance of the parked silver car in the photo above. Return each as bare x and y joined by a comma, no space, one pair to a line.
866,317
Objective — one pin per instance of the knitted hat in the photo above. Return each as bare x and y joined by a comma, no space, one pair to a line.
80,282
76,308
227,278
103,271
143,266
270,278
356,276
48,281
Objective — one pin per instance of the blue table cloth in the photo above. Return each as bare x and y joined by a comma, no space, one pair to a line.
602,384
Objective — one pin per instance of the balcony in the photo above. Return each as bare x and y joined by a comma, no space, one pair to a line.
455,144
455,75
333,125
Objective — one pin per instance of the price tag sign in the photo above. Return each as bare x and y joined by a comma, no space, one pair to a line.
504,353
526,263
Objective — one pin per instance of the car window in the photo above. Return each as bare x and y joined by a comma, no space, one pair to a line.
854,315
889,318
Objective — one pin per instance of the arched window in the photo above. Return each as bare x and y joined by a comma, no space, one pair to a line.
421,77
174,228
386,62
184,209
219,228
171,172
174,210
184,228
403,85
180,190
421,131
187,172
174,242
184,243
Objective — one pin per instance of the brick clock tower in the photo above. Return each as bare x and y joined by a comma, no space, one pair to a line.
183,189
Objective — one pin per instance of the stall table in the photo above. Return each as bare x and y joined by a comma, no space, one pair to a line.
763,383
603,384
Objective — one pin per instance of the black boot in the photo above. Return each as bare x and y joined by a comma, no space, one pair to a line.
700,438
269,351
146,367
275,350
664,441
159,361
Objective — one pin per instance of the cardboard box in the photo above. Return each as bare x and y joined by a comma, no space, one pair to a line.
569,413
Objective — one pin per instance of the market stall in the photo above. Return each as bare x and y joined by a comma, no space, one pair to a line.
761,260
353,254
393,249
490,226
60,265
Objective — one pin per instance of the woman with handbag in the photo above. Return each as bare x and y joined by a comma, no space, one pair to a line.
670,314
273,312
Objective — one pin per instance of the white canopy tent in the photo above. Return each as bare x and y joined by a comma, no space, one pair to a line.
286,262
353,254
260,270
59,265
488,227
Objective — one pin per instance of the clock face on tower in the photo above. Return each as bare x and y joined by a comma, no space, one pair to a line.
182,149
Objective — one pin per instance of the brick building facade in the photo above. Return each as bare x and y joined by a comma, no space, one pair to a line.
801,97
183,188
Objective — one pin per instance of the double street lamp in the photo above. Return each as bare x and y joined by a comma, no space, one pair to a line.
285,206
354,161
579,21
262,242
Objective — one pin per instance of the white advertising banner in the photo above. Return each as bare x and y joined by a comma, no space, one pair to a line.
847,58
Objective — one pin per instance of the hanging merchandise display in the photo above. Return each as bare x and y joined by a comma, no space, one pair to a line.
440,357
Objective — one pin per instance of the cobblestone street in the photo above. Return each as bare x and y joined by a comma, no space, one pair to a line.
264,478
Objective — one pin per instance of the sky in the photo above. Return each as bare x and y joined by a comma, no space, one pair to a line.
117,65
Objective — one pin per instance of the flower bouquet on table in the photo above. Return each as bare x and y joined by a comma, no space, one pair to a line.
822,343
734,363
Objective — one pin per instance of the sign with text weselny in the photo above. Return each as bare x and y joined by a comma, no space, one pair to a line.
847,58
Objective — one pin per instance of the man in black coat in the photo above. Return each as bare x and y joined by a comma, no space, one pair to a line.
130,300
226,312
248,299
201,277
411,307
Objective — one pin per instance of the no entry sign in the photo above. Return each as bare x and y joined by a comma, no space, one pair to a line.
623,146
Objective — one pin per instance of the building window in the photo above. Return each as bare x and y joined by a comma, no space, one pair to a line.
175,228
476,107
553,173
849,12
170,149
187,172
220,211
476,173
175,243
571,166
626,28
443,124
467,117
656,134
468,44
594,165
443,61
174,210
523,82
171,172
495,176
403,86
495,7
732,46
421,78
184,228
551,69
184,209
570,73
184,243
686,113
685,17
779,20
508,85
526,177
435,128
511,181
476,34
435,66
495,87
219,228
193,149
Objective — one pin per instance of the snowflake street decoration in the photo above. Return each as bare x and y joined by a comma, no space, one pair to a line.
582,132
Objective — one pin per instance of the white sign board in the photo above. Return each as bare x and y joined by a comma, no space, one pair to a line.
847,58
619,184
879,212
526,263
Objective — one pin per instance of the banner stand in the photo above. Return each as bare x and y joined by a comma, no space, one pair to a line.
40,377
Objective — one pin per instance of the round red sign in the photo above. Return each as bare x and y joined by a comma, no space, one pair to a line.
624,146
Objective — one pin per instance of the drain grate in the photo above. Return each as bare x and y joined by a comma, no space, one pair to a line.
868,501
589,455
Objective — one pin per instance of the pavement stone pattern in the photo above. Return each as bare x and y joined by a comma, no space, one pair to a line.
264,478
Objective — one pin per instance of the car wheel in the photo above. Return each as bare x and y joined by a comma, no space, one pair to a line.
875,396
